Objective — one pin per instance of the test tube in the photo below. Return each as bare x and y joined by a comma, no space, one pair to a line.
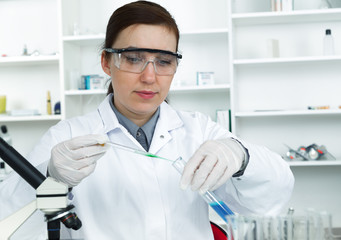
213,200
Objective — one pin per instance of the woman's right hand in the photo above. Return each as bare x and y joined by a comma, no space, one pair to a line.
73,160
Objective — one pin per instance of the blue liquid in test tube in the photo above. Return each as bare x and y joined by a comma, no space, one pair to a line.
217,205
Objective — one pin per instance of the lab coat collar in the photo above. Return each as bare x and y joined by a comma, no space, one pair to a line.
109,119
168,121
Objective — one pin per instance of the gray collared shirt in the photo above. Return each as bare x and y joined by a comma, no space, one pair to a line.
148,128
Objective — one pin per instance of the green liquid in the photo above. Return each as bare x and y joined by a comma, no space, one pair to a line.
153,156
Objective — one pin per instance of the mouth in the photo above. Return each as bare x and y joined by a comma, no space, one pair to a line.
146,94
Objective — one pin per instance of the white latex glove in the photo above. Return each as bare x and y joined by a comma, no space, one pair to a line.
75,159
212,165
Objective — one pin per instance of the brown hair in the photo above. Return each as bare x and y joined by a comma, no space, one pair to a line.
139,12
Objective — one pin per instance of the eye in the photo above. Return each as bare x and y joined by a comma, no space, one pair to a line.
165,61
133,58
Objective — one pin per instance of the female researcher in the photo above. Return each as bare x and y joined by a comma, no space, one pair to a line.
121,195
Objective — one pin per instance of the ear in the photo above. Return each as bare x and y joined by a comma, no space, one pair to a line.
105,64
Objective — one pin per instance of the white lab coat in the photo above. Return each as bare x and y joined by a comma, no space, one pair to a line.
135,197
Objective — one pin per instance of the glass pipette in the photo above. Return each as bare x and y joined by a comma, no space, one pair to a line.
213,200
137,151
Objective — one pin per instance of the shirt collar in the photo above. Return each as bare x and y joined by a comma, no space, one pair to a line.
148,128
168,119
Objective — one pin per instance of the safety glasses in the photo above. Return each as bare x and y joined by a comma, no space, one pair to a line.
135,60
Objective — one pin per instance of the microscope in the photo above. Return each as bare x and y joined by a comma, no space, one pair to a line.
51,198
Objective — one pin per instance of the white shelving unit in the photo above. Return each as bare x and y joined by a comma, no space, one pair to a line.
288,113
270,96
297,16
85,92
28,60
7,119
25,80
292,60
323,163
205,88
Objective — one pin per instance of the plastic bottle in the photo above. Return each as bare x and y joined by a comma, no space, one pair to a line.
328,43
48,104
25,52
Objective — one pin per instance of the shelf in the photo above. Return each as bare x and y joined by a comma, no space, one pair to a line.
28,60
204,31
299,16
182,89
315,163
273,113
308,59
85,92
89,39
6,118
205,88
85,40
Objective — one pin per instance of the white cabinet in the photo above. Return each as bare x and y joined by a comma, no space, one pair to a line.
271,95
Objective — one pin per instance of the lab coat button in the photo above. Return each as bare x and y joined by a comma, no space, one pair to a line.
162,137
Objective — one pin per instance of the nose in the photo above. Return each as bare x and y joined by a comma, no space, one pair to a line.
149,72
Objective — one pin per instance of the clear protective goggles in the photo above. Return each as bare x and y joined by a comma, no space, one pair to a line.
135,60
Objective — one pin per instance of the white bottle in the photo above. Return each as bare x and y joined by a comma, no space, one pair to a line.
328,43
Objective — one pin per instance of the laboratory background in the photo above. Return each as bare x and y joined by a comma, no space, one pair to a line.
267,70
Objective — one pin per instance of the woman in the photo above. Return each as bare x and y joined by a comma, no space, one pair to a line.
121,195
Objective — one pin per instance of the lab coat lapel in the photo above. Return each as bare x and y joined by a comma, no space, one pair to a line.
168,121
108,116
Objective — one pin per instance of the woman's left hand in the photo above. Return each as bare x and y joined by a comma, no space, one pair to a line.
212,165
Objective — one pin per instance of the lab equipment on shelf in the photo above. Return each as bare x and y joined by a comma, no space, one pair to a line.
212,199
309,153
282,5
91,82
48,103
2,104
310,224
205,78
328,43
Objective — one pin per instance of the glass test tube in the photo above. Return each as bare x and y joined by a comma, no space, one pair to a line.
217,205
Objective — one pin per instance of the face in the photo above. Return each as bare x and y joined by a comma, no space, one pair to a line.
138,95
